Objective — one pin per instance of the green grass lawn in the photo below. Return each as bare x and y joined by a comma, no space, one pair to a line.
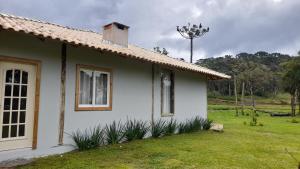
239,146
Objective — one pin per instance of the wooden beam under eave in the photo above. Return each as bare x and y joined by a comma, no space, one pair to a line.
62,93
152,93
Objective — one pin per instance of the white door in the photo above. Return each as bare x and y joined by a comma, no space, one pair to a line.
17,94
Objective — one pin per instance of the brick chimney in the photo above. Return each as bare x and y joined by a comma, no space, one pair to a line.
116,33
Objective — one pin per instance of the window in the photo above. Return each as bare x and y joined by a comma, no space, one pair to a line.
93,88
15,99
167,93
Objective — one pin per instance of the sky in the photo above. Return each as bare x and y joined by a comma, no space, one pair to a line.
235,25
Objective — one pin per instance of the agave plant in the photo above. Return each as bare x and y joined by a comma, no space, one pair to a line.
207,124
191,125
181,127
88,139
196,124
143,129
114,133
135,129
158,128
170,127
97,136
81,140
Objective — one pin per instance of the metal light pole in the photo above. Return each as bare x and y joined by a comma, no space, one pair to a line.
191,32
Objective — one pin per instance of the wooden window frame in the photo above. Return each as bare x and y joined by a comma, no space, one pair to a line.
172,104
77,92
37,65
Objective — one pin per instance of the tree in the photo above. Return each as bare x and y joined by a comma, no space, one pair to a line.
262,69
291,81
192,32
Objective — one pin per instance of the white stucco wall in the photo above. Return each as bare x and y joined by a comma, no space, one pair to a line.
132,91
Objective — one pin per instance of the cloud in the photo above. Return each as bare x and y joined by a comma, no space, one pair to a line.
235,25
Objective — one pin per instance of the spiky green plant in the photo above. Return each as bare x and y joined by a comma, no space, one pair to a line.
170,127
158,128
135,129
195,124
114,133
97,136
206,125
81,140
143,129
88,139
191,125
182,128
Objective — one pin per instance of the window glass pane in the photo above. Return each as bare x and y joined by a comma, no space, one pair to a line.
13,131
166,82
24,91
5,131
7,103
15,105
14,117
101,89
6,117
21,130
86,87
16,90
24,77
23,104
7,90
22,117
8,76
17,75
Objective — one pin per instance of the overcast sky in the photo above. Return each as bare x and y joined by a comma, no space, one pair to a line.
235,25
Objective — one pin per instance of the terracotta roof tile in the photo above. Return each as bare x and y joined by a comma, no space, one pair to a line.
94,40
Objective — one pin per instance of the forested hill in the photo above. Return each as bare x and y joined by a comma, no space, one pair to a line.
260,71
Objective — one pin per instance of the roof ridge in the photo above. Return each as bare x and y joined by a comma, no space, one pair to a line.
45,22
177,59
67,27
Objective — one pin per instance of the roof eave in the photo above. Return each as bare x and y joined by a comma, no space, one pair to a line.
207,75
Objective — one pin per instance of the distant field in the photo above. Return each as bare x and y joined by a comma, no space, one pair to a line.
280,99
266,107
279,103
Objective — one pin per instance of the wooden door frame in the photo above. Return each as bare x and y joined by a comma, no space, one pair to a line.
37,65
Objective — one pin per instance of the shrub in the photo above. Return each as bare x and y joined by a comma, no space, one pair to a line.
114,133
182,128
260,124
135,129
158,128
191,125
88,139
206,124
170,127
196,123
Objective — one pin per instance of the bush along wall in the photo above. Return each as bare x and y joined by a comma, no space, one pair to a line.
118,132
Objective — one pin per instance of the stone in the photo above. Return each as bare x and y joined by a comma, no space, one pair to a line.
217,127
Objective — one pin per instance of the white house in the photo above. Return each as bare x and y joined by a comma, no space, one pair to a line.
55,80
